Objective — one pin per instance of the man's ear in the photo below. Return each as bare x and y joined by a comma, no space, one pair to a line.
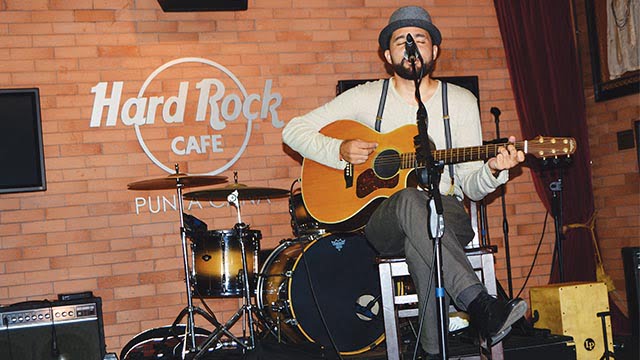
436,52
387,56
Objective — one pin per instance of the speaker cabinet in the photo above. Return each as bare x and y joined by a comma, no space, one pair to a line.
202,5
571,309
70,330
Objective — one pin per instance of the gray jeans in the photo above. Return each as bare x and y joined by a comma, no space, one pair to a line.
399,227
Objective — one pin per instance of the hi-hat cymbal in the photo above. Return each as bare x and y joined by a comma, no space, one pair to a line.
244,193
172,181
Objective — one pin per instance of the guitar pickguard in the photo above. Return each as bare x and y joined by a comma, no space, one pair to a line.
367,182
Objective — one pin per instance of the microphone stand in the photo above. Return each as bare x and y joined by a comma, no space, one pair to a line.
429,178
556,209
505,224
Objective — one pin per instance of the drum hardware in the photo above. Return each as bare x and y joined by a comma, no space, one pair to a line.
278,306
233,194
179,181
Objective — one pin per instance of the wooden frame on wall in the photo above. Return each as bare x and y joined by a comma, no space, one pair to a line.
604,88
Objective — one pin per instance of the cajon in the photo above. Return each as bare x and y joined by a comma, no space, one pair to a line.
571,309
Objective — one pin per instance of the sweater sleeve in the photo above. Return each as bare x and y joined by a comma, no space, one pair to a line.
302,132
475,178
302,135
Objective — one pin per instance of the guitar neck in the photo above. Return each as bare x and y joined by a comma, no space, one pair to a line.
460,155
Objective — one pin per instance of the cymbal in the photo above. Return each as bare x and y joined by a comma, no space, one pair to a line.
172,181
244,193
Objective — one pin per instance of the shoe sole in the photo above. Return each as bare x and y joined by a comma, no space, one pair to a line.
516,313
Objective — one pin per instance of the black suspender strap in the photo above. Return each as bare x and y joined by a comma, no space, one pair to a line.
348,170
383,98
447,126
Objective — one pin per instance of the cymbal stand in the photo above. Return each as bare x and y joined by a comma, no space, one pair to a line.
246,308
189,344
190,328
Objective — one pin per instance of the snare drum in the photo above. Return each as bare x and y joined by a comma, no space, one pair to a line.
218,261
343,274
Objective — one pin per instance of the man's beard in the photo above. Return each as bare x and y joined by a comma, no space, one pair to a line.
407,73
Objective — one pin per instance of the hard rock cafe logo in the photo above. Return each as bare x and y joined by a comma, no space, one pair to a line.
199,121
206,122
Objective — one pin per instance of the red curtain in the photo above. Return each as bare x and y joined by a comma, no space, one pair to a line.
546,79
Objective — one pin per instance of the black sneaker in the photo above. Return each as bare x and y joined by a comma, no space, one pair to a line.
493,317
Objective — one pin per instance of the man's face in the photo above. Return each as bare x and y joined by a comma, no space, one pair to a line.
395,54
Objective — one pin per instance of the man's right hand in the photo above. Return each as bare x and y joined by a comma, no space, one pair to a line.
356,151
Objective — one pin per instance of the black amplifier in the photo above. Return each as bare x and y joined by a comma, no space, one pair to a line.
64,329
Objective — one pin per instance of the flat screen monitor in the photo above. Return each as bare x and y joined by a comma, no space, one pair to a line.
21,149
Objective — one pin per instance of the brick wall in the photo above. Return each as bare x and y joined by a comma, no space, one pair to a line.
87,232
615,174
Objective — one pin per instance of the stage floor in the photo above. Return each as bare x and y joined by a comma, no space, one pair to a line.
524,343
516,347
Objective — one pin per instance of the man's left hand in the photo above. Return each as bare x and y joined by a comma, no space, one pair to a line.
506,158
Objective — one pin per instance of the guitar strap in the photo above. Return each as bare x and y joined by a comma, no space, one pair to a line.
383,98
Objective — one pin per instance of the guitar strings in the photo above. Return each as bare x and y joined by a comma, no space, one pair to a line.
445,154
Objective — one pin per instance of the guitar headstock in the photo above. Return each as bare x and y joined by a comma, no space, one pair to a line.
551,146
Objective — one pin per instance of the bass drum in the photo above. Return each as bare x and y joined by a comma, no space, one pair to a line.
159,343
340,269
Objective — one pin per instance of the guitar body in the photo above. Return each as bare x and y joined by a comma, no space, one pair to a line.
327,194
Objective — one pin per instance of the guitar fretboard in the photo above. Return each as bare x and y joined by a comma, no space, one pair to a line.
458,155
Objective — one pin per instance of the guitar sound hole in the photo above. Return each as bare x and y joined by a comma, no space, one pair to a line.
387,164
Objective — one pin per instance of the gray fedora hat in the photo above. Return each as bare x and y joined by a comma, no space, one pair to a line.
409,16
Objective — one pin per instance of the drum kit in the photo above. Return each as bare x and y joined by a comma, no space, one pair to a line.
321,287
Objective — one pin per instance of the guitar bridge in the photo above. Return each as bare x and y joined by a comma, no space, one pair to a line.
348,175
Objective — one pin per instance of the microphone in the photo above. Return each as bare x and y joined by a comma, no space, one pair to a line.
410,49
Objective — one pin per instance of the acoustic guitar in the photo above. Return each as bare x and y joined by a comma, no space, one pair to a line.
335,196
